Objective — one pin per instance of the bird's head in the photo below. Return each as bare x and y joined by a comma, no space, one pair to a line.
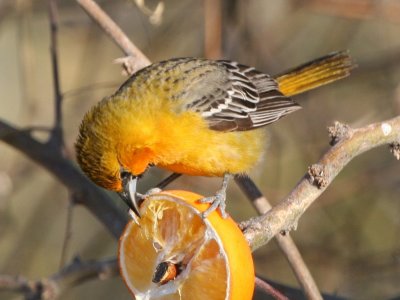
106,154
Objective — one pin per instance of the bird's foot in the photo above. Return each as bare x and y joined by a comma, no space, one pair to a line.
150,192
217,202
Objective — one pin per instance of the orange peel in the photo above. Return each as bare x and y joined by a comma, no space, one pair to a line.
173,253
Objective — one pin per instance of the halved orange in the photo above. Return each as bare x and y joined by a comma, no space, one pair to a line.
175,254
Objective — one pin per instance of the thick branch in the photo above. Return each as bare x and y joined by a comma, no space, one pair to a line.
95,199
285,243
285,215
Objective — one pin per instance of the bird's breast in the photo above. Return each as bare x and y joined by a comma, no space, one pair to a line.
182,142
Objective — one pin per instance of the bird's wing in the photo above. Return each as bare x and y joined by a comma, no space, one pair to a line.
242,99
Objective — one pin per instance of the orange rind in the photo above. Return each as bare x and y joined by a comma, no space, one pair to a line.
173,253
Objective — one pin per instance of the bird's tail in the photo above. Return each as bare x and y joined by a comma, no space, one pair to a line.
313,74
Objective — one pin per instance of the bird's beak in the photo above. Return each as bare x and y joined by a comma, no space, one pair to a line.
128,194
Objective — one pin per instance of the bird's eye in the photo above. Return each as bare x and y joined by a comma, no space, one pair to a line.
124,174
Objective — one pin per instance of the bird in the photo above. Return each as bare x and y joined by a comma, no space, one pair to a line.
192,116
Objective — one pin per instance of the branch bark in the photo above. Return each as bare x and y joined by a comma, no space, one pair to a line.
351,143
285,242
56,137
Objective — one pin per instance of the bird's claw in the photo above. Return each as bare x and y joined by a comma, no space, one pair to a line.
217,202
148,193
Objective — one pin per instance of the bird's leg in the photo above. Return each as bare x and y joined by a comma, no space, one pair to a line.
218,200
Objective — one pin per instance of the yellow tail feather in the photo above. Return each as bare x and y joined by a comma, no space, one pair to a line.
313,74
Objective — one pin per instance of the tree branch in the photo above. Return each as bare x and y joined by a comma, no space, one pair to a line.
85,192
50,288
351,143
285,242
56,137
135,59
213,29
269,289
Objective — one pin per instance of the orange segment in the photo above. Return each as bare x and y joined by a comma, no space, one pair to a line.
175,254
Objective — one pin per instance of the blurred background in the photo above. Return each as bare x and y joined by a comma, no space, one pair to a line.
349,237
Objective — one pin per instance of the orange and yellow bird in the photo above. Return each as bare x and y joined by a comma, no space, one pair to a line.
192,116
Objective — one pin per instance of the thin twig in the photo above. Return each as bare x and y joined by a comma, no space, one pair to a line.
299,267
79,271
68,231
50,288
213,29
57,134
270,290
285,242
136,59
156,15
14,283
285,215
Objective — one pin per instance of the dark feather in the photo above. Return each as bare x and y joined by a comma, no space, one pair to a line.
230,96
249,99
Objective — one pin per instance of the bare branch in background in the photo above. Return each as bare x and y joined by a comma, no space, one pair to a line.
56,137
52,287
356,9
135,59
213,29
79,272
155,16
49,156
5,8
85,192
68,230
270,290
